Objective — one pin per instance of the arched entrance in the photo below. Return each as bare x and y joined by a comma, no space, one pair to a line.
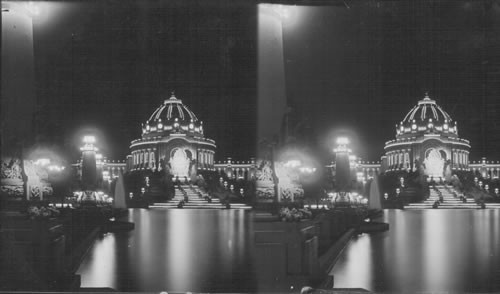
179,162
434,162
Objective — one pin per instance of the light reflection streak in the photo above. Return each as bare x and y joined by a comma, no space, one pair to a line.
174,250
356,268
495,232
240,245
178,241
427,251
481,235
143,246
100,268
434,267
400,248
224,233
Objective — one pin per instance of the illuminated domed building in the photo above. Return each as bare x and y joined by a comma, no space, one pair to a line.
427,139
172,139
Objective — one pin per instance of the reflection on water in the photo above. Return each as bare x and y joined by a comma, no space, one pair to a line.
426,250
175,250
210,251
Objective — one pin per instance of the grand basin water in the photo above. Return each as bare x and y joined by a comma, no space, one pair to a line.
175,250
211,251
426,250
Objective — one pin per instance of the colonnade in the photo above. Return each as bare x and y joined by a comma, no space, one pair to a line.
144,158
205,157
399,159
460,158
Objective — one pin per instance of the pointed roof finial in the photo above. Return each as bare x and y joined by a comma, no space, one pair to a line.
427,95
173,95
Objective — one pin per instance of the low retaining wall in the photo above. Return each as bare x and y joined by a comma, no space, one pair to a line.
290,255
38,248
48,250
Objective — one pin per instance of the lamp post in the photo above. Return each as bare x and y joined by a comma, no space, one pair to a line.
89,162
51,171
56,176
41,163
343,167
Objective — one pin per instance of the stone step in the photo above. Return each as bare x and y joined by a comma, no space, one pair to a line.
193,198
212,204
442,204
205,206
468,202
448,206
195,205
444,196
450,202
193,202
180,193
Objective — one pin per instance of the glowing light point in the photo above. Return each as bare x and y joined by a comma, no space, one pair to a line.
342,141
89,139
32,8
42,162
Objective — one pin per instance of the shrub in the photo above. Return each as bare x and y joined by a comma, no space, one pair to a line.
294,214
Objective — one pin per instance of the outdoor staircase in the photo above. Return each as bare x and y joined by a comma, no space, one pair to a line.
196,199
451,199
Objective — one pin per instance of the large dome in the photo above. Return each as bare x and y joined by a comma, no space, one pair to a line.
173,116
426,117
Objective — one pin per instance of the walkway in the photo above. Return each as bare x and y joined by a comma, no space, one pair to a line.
196,199
451,199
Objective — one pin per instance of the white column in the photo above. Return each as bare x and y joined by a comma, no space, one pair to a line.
271,89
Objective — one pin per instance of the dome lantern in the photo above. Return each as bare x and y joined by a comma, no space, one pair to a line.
427,116
173,115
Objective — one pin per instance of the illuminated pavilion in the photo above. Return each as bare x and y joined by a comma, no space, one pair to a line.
427,139
172,139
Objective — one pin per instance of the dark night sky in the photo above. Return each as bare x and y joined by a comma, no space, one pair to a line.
360,66
356,65
127,56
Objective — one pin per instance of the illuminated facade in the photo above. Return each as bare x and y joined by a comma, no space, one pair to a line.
172,139
236,170
427,139
486,169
